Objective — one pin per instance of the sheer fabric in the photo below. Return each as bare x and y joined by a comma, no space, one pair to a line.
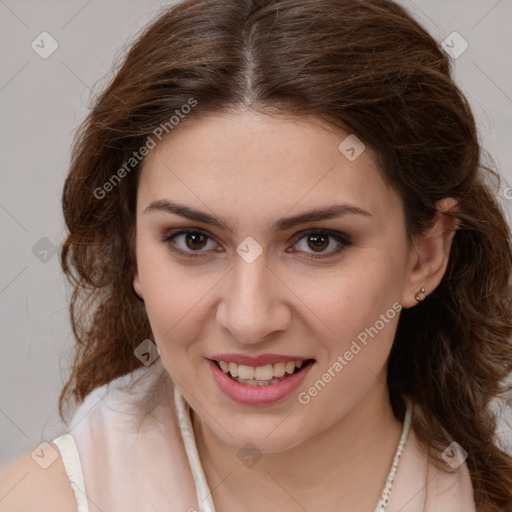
126,451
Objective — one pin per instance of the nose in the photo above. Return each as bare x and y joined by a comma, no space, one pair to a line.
254,304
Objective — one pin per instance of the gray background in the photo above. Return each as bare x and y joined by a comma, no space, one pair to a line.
42,102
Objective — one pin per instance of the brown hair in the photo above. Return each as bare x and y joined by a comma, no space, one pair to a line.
367,67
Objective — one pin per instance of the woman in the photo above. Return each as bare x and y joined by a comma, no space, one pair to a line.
291,277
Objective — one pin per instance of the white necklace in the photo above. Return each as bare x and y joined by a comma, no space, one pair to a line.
204,495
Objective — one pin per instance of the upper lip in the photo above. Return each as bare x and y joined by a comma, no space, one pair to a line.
261,360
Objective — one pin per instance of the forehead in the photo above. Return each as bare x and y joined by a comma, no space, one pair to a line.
249,162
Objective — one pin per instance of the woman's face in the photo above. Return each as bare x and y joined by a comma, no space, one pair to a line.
251,278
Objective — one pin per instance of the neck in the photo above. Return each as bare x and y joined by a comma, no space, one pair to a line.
346,465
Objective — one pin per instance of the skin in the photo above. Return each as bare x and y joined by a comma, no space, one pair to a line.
251,170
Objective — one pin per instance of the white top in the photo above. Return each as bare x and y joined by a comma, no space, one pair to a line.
118,461
71,461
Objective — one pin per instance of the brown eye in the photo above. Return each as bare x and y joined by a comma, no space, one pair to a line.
186,242
191,242
318,241
195,240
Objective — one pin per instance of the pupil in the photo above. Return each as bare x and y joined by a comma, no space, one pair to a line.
316,239
194,238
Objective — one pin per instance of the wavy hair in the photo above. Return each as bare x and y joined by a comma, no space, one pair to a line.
367,67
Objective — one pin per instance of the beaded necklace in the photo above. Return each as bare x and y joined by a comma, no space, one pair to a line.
204,496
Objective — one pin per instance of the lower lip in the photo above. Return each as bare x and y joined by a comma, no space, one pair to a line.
258,395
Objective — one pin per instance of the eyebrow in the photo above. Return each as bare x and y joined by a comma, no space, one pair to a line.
335,210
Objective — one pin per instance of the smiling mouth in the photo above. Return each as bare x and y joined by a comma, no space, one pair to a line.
262,375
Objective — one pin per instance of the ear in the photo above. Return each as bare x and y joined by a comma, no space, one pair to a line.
136,285
430,254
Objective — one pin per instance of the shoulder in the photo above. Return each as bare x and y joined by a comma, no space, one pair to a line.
129,394
422,486
108,420
26,486
450,489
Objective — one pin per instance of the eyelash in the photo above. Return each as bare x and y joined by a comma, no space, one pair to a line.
341,238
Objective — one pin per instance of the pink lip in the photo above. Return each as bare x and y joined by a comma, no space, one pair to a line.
258,395
260,360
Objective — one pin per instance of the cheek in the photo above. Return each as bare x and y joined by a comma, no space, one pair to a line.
351,298
361,309
340,302
171,296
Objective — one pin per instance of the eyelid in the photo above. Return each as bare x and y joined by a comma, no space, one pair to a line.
168,236
332,232
342,238
344,241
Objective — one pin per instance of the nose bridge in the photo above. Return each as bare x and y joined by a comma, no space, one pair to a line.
252,306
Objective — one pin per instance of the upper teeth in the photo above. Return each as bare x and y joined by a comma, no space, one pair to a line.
267,372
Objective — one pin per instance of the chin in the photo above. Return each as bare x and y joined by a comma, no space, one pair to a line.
267,437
